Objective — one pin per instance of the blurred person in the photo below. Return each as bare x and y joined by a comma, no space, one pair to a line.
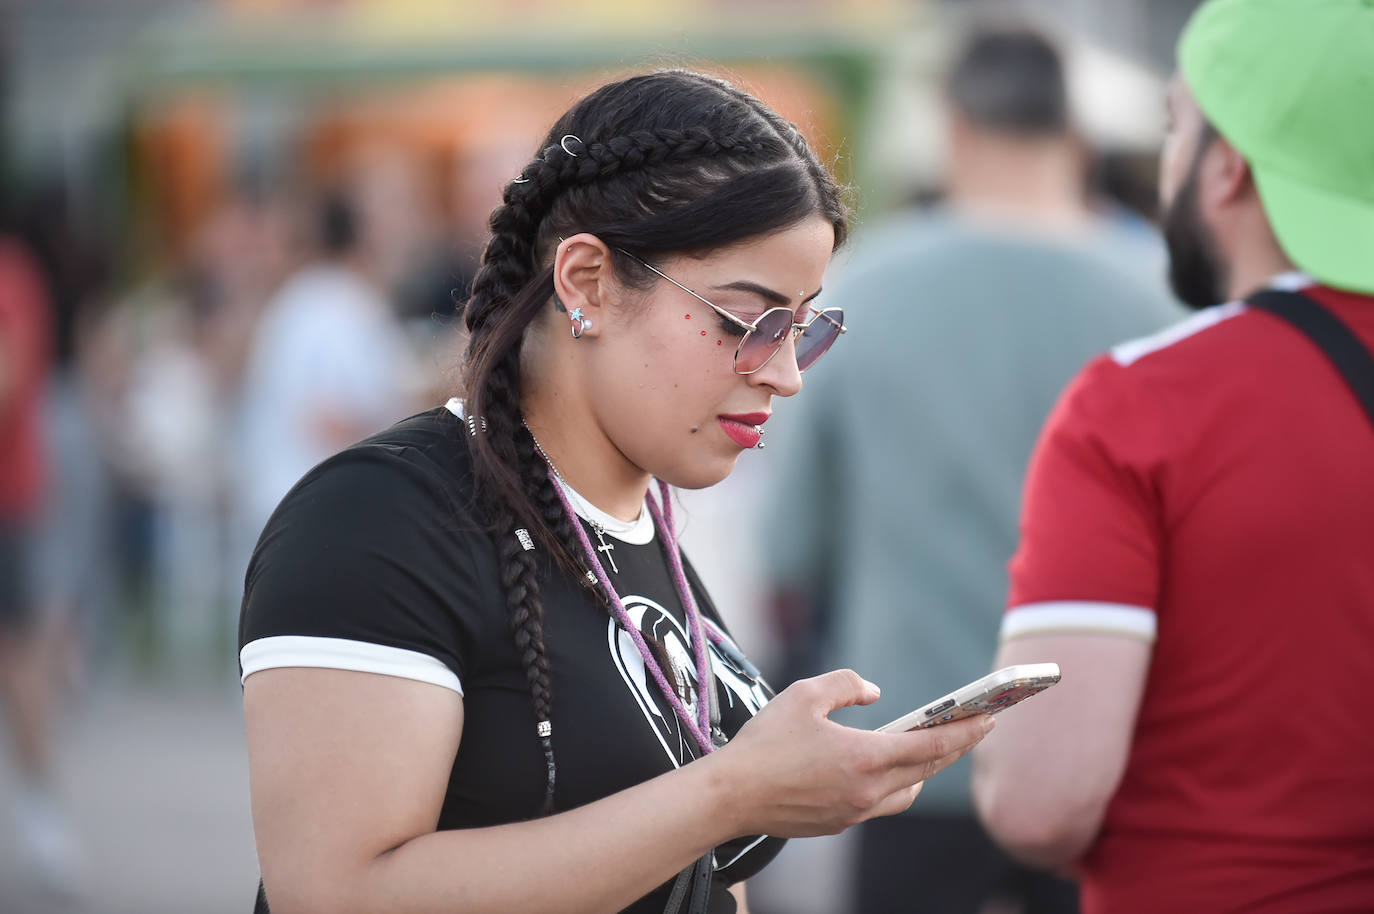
1197,531
194,336
172,429
329,364
28,684
913,450
456,581
73,573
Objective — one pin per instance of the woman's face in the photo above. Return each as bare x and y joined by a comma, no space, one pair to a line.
661,381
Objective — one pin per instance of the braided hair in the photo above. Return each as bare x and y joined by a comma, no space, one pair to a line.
666,162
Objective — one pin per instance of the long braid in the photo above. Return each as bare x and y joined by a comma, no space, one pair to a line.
519,569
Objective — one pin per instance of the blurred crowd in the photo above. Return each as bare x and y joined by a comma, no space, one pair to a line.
164,382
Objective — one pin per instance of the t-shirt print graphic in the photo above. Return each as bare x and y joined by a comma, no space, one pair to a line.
736,687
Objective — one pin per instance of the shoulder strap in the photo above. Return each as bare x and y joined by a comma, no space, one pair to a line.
697,880
1351,358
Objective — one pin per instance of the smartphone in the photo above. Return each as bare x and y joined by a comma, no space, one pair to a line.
992,694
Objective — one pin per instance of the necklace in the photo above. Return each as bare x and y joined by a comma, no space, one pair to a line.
701,727
603,547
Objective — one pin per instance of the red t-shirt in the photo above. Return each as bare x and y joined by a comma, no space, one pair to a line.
24,358
1212,488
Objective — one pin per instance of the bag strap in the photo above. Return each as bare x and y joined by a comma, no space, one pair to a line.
697,878
1351,358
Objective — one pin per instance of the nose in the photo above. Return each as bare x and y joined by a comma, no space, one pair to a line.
781,374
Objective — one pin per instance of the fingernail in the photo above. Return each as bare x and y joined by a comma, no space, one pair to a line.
988,723
873,686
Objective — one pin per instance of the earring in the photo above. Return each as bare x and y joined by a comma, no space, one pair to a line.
580,323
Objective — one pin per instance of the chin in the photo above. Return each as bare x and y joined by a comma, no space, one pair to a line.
700,474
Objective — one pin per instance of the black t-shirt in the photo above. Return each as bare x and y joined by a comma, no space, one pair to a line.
375,561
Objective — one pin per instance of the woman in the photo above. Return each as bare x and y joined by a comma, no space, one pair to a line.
551,663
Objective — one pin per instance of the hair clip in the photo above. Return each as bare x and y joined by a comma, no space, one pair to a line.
523,536
564,144
472,425
544,729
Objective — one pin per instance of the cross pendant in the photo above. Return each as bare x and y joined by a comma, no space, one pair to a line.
605,547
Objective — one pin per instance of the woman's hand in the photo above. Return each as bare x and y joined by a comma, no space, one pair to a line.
792,772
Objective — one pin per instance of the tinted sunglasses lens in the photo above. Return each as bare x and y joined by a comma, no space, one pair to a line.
766,339
819,337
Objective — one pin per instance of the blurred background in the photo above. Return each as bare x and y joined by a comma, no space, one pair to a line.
248,220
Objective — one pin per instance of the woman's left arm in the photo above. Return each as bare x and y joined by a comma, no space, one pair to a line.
741,903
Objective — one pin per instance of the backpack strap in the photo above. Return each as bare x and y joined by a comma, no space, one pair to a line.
1351,358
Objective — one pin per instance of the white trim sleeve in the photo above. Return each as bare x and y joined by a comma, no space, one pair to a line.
1079,618
345,654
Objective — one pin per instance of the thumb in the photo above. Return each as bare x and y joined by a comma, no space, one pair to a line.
842,688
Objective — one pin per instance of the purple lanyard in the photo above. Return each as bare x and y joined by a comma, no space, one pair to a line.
663,521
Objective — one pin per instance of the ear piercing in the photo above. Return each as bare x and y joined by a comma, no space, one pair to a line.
580,323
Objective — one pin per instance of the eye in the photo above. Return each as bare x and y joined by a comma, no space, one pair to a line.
730,328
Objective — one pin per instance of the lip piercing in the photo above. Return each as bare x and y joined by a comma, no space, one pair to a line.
759,429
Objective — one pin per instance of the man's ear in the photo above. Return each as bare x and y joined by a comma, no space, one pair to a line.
1228,174
581,273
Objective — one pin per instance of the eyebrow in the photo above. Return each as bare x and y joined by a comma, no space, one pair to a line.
777,298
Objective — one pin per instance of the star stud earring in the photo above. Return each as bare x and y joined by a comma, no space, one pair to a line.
580,323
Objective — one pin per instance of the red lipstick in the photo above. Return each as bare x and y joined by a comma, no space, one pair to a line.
745,429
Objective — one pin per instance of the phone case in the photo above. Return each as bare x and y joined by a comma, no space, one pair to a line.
992,694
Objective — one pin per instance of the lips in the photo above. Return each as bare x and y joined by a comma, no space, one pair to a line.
744,428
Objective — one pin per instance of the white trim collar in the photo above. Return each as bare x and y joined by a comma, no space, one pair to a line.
1133,350
1291,281
635,532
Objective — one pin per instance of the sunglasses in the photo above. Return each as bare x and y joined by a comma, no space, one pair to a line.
764,336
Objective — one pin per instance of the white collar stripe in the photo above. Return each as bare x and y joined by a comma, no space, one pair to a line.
637,532
1134,350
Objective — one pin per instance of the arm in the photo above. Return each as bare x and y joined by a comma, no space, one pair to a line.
799,533
9,372
349,771
741,903
1042,784
1084,582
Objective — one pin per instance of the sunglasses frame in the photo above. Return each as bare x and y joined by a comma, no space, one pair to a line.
750,327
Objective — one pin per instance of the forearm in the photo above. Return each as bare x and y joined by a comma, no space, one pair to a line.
741,901
1042,782
600,857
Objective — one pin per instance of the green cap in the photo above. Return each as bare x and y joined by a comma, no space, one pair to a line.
1290,83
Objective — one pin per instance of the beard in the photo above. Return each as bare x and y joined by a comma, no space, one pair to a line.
1197,273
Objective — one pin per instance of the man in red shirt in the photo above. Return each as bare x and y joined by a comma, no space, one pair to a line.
1197,545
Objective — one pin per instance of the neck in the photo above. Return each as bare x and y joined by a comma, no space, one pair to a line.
1252,264
1036,183
585,459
